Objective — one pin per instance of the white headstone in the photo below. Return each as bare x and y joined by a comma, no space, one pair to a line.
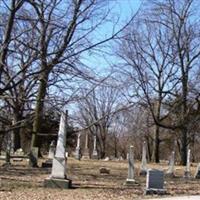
94,153
187,168
77,152
130,178
170,171
143,168
59,161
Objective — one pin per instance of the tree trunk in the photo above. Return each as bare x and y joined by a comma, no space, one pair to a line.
156,145
183,146
38,114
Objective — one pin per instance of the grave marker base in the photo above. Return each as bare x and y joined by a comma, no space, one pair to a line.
151,191
57,183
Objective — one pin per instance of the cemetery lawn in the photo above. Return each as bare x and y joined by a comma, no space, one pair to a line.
19,182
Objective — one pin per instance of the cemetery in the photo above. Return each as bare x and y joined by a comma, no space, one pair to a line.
99,100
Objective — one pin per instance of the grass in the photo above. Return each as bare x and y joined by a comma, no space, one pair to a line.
22,182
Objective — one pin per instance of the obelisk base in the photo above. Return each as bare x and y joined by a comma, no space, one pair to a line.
57,183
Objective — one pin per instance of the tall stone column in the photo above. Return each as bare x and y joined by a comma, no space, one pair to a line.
86,154
170,171
143,167
94,153
77,152
187,168
130,180
58,178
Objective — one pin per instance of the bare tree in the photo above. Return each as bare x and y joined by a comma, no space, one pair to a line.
163,52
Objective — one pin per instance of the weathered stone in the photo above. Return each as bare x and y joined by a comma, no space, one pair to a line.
86,154
130,179
197,173
94,153
170,171
48,163
104,170
143,168
58,178
33,157
57,183
155,182
187,173
78,149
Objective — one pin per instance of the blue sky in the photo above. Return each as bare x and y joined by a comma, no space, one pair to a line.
122,9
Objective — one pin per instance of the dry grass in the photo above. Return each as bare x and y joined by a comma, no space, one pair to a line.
23,183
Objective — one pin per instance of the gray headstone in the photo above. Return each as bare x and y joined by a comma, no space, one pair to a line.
33,155
130,180
170,171
52,148
143,168
197,173
86,154
155,182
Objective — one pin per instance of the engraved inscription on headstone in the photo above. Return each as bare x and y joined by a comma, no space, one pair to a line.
155,182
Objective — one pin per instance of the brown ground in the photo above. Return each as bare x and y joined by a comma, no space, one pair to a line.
22,183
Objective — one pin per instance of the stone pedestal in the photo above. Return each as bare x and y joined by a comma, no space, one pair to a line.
57,183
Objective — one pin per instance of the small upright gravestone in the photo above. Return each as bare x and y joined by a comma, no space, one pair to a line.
94,153
143,168
130,180
78,149
48,163
155,182
187,168
58,178
197,173
86,154
170,171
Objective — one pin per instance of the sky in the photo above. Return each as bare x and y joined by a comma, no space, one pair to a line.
124,10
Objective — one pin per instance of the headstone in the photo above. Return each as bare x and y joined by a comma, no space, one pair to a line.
107,159
170,171
33,156
187,168
94,153
58,178
52,148
104,170
155,182
86,154
197,173
130,180
143,168
78,149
